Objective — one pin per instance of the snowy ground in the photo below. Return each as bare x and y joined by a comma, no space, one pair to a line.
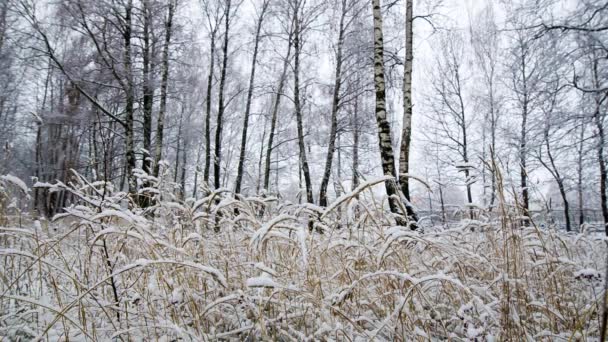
101,272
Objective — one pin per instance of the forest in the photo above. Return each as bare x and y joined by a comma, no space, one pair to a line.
303,170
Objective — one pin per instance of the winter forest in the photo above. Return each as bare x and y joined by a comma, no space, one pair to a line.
303,170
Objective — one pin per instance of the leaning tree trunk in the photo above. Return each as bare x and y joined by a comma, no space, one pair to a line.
275,111
298,108
241,166
384,128
331,148
221,106
163,90
558,178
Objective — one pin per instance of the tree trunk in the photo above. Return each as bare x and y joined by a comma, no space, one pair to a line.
355,128
184,163
523,141
148,91
163,90
178,148
298,106
221,107
384,129
334,112
208,109
241,166
130,102
556,175
275,111
602,162
579,183
404,156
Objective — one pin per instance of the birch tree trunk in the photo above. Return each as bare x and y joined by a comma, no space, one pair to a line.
406,136
384,129
163,89
239,175
523,136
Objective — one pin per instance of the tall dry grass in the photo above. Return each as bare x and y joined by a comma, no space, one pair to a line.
101,272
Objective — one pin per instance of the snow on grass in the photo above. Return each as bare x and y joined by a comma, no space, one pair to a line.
17,182
202,271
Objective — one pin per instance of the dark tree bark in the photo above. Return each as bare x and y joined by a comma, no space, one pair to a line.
553,170
208,108
275,112
130,99
355,128
598,120
298,106
331,148
241,166
163,88
221,105
579,170
148,89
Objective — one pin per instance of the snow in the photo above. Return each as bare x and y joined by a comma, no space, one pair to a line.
354,193
587,273
17,182
262,281
266,272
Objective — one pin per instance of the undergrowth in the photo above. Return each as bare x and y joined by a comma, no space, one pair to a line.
251,269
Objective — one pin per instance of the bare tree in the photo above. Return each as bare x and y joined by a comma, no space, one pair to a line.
160,126
347,7
449,105
242,157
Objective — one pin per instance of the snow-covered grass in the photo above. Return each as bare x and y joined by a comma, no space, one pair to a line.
220,268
